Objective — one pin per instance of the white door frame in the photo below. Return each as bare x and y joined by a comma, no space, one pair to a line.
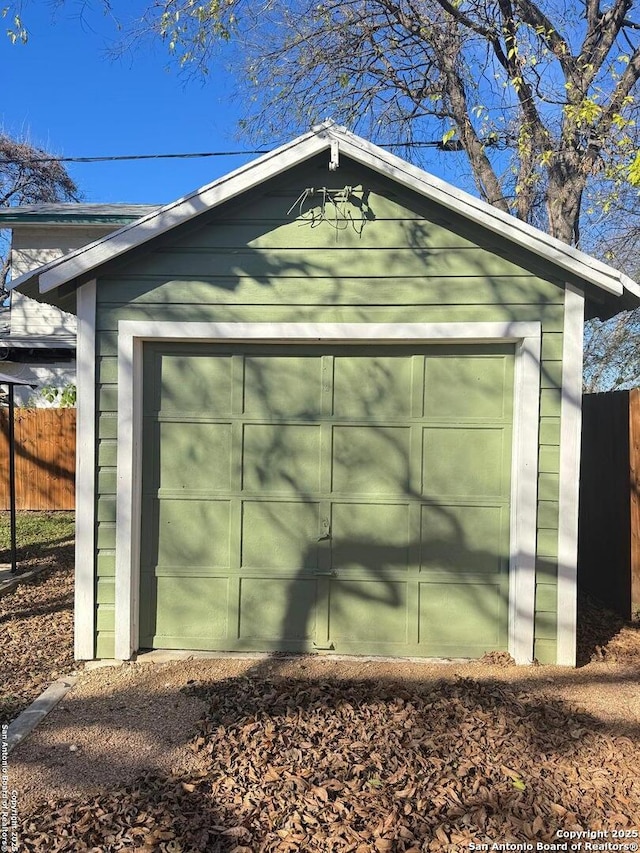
132,334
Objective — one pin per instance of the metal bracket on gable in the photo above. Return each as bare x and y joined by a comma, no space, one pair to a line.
334,162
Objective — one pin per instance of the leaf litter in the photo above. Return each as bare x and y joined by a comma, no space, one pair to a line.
295,764
36,621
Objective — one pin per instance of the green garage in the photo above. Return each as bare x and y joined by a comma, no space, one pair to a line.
331,404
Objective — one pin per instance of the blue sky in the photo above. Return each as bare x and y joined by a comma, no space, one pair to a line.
62,93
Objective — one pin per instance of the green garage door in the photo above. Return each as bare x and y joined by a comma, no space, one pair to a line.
340,498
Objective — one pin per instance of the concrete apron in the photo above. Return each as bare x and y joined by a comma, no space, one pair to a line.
26,722
9,581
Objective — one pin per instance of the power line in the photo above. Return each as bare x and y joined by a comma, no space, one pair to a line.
451,145
113,158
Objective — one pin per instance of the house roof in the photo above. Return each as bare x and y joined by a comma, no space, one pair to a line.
73,213
80,264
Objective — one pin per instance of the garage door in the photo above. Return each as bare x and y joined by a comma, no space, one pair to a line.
346,498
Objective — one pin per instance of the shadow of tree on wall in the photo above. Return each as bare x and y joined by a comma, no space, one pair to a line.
296,763
351,552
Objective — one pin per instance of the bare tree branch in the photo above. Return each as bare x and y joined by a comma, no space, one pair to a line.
25,181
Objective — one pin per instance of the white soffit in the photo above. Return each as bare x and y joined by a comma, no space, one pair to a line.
83,260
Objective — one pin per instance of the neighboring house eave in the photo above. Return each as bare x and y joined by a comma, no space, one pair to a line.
72,214
38,342
82,263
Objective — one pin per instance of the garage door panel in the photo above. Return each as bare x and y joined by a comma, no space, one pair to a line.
195,383
465,462
283,387
371,460
278,610
462,614
280,535
194,533
325,497
465,386
375,537
191,608
195,456
281,458
464,538
352,603
372,387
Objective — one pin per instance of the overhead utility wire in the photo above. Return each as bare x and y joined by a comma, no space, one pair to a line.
451,145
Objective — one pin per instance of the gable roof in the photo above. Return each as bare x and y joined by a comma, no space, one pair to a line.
82,262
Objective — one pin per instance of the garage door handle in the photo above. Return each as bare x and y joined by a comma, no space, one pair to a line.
326,574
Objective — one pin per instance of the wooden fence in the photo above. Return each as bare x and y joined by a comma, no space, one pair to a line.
45,442
609,522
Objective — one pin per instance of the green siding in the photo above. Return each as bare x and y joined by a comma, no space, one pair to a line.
210,289
408,261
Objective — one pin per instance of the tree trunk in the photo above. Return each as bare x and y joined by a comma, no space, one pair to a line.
564,199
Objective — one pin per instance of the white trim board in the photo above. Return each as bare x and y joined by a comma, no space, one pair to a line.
526,336
329,137
569,479
84,594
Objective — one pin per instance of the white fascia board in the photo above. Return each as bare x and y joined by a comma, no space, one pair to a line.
224,189
629,284
26,277
566,257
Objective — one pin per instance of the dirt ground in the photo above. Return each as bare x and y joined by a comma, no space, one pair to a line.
119,722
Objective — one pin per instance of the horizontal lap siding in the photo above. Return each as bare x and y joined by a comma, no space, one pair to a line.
251,263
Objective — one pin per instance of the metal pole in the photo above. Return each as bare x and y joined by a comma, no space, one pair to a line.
12,480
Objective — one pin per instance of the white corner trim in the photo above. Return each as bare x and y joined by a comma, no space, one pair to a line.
128,495
569,480
84,606
524,497
527,337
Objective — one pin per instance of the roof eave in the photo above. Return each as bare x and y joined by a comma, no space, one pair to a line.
555,251
79,263
38,341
